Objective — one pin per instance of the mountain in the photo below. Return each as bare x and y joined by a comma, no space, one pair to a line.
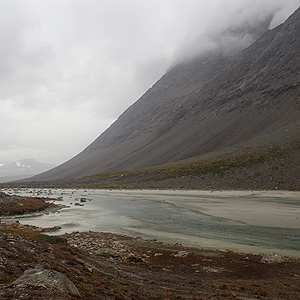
206,107
20,169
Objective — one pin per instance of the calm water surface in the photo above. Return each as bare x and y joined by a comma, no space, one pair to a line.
258,222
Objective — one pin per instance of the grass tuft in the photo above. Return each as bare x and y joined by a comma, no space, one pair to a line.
52,239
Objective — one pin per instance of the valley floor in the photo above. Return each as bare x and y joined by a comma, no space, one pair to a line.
91,265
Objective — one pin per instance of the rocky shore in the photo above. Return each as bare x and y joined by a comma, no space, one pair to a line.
93,265
97,265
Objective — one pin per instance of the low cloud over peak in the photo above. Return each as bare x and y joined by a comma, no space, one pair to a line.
70,67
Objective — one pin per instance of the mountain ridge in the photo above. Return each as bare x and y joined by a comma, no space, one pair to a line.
201,107
22,168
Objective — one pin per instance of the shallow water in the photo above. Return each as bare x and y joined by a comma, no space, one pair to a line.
258,222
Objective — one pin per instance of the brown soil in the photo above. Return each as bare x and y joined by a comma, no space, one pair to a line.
16,205
107,266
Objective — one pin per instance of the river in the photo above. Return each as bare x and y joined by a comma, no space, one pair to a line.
244,221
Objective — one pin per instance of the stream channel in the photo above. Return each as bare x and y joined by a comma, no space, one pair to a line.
243,221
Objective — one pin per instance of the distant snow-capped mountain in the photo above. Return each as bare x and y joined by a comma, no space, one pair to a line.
23,167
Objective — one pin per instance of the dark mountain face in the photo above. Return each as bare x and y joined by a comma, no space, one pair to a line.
204,107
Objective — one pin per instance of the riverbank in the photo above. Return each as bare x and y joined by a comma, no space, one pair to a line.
17,205
92,265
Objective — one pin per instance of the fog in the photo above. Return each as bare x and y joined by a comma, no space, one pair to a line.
69,68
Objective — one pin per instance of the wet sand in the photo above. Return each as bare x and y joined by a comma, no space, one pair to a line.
257,222
257,208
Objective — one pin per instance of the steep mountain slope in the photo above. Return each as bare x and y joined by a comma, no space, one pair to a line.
205,106
21,169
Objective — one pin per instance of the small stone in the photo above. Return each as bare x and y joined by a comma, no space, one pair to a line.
181,254
271,258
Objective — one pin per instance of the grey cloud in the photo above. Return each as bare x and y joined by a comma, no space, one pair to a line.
68,68
227,28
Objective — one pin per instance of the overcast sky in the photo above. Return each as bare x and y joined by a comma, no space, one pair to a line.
69,68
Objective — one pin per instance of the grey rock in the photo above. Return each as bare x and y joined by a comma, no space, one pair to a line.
181,254
271,258
39,278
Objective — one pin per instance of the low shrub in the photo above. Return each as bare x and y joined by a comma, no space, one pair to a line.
52,239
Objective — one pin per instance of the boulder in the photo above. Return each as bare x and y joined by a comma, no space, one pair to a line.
45,279
271,258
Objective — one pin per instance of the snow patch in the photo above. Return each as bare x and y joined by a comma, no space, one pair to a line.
20,165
